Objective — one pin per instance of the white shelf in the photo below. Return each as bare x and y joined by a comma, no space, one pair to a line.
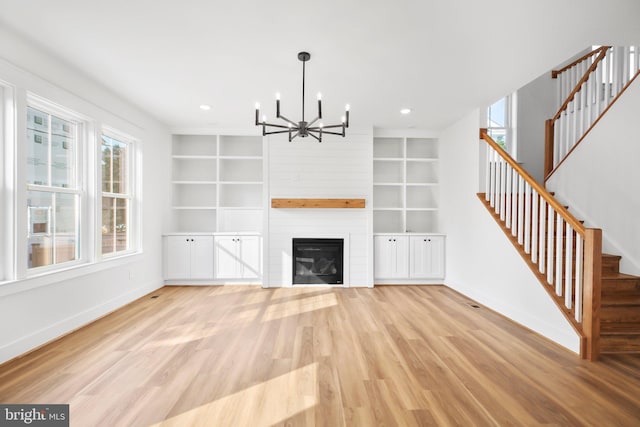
198,146
424,148
193,182
217,183
191,208
388,148
190,157
405,185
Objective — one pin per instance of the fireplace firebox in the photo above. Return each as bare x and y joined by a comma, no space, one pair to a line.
317,261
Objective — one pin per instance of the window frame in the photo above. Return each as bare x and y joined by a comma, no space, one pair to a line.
510,114
131,194
80,180
7,181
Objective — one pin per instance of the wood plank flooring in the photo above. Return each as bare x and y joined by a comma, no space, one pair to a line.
246,356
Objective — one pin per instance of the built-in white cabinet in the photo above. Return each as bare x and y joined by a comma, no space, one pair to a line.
426,257
391,256
217,183
405,185
188,257
410,257
237,257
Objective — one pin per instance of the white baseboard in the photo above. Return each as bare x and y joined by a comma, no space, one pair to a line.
65,326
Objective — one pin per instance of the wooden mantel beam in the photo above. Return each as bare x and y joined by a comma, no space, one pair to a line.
317,203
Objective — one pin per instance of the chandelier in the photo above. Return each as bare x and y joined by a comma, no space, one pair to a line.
302,128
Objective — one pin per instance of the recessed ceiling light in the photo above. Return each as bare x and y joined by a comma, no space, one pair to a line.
405,111
205,107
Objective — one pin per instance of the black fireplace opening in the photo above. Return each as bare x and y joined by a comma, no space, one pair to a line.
317,261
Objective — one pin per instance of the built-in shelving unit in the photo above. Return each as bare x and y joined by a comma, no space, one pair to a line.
405,185
217,183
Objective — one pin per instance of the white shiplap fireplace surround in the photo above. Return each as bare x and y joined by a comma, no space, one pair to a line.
336,168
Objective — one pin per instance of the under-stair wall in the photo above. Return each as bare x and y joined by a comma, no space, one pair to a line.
600,180
481,261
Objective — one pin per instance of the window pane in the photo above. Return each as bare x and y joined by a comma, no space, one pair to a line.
108,224
122,241
40,229
66,227
50,149
119,167
497,114
37,147
62,153
106,164
53,228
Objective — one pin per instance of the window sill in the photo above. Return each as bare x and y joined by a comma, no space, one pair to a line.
74,271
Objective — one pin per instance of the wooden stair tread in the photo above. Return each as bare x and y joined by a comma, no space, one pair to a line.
619,276
618,257
620,329
621,300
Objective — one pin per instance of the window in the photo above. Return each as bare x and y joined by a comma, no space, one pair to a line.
500,123
53,187
117,193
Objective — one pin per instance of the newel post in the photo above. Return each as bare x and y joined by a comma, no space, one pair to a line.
592,290
548,147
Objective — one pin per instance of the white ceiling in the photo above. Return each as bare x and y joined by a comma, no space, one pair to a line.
441,58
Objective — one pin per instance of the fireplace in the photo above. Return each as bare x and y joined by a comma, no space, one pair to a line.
317,261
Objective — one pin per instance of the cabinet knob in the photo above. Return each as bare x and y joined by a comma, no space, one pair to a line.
389,239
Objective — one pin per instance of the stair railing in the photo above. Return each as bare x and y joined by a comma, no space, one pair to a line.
591,84
561,252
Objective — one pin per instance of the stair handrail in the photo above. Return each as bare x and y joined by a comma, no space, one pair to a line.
562,253
552,201
591,98
602,53
556,73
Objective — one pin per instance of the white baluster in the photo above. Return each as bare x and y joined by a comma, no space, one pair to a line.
608,79
626,55
494,173
579,276
559,255
500,196
599,89
568,275
557,140
574,126
543,241
521,196
509,195
550,247
514,206
527,218
534,225
487,176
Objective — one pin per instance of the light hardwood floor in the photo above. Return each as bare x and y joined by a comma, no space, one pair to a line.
246,356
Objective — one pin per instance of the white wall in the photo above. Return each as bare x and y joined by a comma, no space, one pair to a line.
36,310
600,180
481,261
536,102
335,168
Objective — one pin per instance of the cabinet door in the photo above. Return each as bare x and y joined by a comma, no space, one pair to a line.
427,257
401,259
178,257
250,257
227,257
202,257
384,254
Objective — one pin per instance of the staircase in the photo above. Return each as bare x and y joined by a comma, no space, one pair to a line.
620,309
602,304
